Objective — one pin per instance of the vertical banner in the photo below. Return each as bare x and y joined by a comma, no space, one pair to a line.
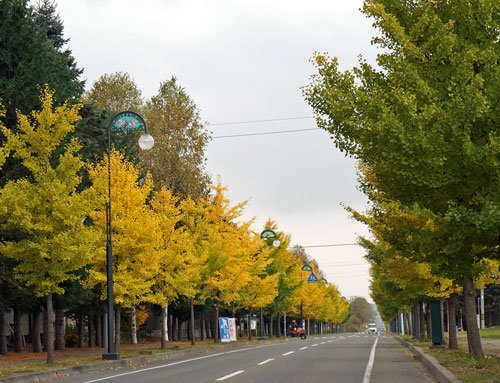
232,329
224,329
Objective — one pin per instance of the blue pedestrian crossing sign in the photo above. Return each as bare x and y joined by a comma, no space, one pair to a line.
312,278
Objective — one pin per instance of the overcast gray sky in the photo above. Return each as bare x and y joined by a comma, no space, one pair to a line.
246,61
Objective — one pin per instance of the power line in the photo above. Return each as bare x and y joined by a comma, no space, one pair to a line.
335,266
265,133
259,121
330,245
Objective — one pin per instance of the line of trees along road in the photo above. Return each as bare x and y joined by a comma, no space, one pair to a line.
177,239
423,123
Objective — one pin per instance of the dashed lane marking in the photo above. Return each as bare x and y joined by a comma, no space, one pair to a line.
288,353
265,361
230,375
303,348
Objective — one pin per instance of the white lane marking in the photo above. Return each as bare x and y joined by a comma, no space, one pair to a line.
322,342
314,345
329,341
288,353
265,361
369,366
171,364
303,348
231,375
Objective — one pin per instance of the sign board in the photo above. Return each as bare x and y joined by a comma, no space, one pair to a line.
268,234
127,121
306,268
312,278
232,329
225,335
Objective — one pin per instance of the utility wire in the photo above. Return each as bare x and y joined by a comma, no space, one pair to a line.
265,133
258,121
330,245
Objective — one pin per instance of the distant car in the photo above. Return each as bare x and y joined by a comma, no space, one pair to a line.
372,328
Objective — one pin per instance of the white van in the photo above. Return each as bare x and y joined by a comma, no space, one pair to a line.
372,328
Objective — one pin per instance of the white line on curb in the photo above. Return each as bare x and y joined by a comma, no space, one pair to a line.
231,375
369,366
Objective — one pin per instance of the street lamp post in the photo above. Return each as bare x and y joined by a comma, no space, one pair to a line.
304,268
267,235
121,122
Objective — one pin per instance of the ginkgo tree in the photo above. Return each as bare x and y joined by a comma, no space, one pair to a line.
136,234
47,210
425,122
180,259
230,246
261,289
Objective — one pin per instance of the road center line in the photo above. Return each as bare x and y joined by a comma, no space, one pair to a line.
288,353
265,361
231,375
303,348
369,366
314,345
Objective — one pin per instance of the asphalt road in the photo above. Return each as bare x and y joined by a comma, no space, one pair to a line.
345,358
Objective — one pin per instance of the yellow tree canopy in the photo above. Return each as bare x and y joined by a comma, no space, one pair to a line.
179,262
230,246
136,234
47,209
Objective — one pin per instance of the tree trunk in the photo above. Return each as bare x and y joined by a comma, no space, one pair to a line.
133,325
3,340
81,330
164,327
202,326
452,324
170,326
406,320
50,329
271,323
473,339
191,324
60,329
91,331
428,326
118,311
421,321
45,330
443,325
216,324
208,326
179,329
249,324
175,326
278,326
98,331
18,336
37,329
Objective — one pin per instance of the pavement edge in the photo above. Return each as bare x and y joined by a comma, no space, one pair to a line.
442,374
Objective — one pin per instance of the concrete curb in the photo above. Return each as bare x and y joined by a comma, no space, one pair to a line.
439,372
38,377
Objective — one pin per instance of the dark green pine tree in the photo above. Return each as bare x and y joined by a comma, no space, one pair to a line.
32,55
46,17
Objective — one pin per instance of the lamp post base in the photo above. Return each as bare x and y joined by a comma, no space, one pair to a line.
111,356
